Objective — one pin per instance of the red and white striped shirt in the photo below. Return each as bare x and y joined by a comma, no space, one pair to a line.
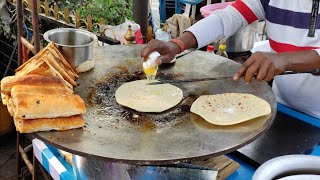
287,23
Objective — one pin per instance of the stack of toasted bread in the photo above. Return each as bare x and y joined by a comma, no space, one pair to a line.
40,96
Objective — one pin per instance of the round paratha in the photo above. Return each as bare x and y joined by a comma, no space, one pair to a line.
230,108
144,97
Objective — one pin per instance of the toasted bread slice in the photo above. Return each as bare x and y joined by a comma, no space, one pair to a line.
55,51
44,68
10,106
62,60
44,124
56,56
4,82
59,65
4,98
45,102
50,60
32,80
34,58
31,89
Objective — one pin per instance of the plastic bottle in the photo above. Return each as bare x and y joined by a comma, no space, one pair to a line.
150,33
222,50
210,49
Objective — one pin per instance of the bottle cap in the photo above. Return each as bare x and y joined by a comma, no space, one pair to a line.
152,60
210,48
222,47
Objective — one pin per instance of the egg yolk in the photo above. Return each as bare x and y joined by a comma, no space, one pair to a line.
150,71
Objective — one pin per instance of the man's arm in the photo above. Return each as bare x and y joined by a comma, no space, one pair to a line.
222,23
302,60
267,65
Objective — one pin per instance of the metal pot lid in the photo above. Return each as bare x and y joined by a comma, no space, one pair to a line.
119,134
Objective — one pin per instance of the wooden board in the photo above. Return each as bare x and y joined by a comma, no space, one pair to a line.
223,164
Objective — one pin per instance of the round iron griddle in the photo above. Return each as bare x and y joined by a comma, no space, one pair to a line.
115,133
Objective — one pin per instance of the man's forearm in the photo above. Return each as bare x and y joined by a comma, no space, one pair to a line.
220,24
203,32
189,40
300,61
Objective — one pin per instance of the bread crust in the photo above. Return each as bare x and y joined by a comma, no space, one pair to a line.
50,48
45,102
33,59
32,80
61,123
43,67
40,96
62,58
4,99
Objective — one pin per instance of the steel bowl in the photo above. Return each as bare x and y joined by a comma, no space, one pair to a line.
75,44
288,166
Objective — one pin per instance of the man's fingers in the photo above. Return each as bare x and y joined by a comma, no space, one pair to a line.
240,73
164,59
159,60
145,52
271,74
152,46
251,71
263,71
242,70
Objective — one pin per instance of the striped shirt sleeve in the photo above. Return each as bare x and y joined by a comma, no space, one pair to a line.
224,23
250,10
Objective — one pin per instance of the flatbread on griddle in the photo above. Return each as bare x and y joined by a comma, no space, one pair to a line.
140,96
230,108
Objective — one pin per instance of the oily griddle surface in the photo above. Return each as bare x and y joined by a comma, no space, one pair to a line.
116,133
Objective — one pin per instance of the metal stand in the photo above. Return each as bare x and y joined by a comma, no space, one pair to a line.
24,44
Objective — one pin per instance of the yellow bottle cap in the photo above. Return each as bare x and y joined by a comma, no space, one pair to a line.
222,47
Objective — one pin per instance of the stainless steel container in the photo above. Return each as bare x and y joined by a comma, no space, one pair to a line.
75,44
85,168
289,165
243,39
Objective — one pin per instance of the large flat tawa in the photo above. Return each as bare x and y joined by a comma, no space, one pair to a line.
119,134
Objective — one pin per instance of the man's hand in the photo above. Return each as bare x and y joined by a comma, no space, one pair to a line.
264,66
168,50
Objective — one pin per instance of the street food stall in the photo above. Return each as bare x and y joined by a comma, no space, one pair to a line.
111,121
114,133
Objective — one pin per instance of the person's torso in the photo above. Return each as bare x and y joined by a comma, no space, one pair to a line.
288,23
